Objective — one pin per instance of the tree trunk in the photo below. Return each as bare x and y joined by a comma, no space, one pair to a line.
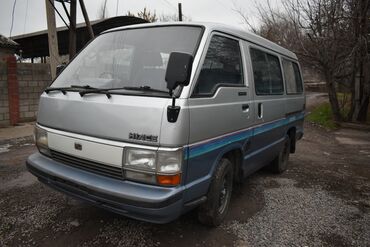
333,99
363,84
362,113
363,104
351,111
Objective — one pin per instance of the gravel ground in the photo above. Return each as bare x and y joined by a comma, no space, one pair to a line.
295,216
323,199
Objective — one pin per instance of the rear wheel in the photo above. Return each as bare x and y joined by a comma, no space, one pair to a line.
214,210
280,163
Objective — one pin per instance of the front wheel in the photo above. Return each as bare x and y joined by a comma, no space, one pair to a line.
214,210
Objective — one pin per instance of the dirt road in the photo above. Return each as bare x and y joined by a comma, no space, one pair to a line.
323,199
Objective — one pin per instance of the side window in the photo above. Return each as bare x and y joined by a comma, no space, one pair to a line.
222,66
292,76
267,73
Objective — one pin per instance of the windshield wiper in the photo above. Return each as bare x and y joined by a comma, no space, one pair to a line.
145,88
65,89
98,90
107,91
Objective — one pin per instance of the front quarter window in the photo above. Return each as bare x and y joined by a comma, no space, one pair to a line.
222,66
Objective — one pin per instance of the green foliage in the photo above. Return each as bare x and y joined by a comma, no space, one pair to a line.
323,116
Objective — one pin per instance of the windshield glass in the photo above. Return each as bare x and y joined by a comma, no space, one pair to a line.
129,58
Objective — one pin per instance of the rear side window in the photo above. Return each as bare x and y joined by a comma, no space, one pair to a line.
293,80
267,74
222,66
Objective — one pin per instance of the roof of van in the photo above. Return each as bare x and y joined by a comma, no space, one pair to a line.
231,30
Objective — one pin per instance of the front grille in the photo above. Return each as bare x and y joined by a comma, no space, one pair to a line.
87,165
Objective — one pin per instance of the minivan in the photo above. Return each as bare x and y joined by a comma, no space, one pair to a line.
153,120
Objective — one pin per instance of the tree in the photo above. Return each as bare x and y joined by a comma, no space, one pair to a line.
360,86
145,14
330,35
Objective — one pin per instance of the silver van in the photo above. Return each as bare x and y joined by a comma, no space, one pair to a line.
151,121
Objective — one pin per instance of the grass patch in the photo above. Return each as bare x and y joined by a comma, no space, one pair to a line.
344,100
323,116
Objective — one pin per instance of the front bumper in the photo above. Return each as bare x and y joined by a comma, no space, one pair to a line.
135,200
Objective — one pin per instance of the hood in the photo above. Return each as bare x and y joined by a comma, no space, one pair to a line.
95,115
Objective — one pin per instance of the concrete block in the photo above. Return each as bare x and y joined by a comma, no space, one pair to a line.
3,84
22,83
4,103
30,114
32,83
33,95
23,96
25,90
25,102
24,108
33,107
4,109
6,116
4,123
44,83
3,94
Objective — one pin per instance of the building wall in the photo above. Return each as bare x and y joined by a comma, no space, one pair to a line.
4,104
31,80
5,52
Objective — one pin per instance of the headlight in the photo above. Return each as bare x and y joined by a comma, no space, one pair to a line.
140,159
41,139
161,167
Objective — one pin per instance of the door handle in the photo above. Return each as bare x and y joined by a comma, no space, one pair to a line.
260,110
245,108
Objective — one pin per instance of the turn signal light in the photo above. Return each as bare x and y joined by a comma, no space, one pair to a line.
169,180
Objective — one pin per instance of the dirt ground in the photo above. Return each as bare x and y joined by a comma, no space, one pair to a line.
322,200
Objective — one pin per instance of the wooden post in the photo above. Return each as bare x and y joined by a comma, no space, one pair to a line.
72,29
180,12
87,21
52,37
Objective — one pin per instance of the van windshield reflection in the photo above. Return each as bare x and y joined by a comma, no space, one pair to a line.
133,58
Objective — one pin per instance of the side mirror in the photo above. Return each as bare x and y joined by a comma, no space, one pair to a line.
178,70
60,68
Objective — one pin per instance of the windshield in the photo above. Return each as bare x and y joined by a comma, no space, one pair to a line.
129,58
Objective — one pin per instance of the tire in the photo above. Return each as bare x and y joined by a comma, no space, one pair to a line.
280,163
214,210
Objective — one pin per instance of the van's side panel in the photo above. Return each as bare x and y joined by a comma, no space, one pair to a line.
215,124
295,106
218,124
270,128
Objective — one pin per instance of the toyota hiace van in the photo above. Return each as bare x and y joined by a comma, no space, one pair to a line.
153,120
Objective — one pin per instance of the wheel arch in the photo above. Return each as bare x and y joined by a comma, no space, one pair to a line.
235,155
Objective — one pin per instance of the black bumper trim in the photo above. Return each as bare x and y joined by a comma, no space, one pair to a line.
82,192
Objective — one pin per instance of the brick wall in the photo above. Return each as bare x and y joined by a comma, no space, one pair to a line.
4,104
21,85
13,90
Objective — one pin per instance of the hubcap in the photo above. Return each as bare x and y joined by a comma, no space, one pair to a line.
224,194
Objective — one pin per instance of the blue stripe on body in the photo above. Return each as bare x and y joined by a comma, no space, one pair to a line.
205,147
